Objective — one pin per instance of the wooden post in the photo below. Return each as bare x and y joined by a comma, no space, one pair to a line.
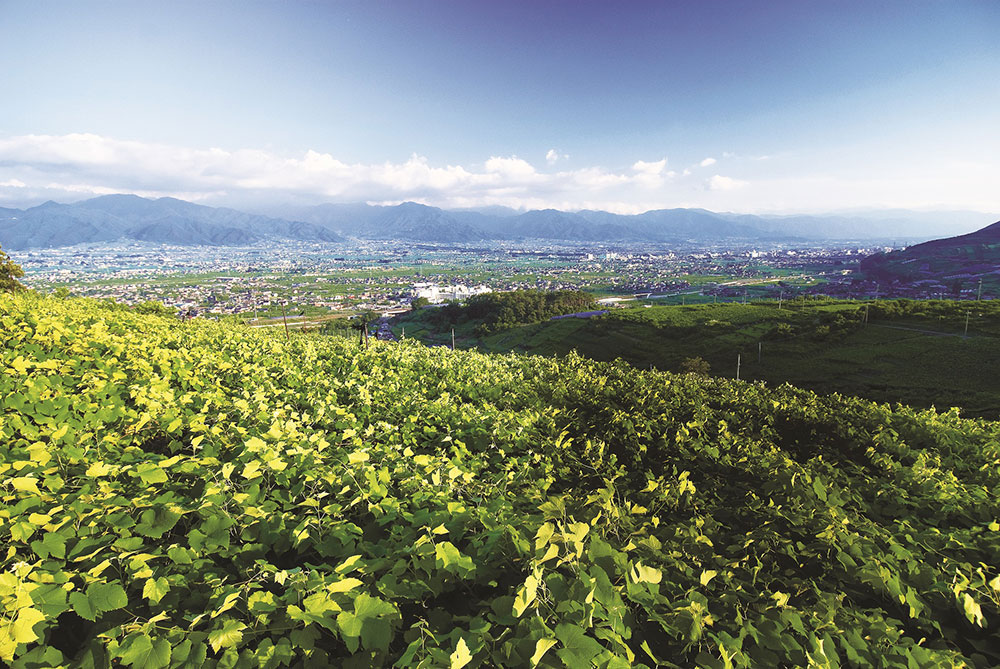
967,313
738,355
453,339
284,319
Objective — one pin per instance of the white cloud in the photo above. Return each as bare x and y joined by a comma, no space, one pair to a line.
651,175
653,168
719,182
553,157
595,177
65,168
513,168
707,162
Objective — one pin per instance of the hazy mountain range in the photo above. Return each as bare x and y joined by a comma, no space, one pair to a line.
166,220
173,221
418,222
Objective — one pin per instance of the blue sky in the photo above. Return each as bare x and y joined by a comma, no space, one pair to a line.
738,106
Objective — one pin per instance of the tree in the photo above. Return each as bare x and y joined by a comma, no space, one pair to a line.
361,322
10,272
695,366
337,326
419,303
155,308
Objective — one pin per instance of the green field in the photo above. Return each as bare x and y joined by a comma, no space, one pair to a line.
197,494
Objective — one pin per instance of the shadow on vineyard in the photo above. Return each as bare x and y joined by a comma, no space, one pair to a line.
201,494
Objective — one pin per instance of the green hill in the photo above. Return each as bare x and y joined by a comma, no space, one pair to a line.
196,494
908,351
953,262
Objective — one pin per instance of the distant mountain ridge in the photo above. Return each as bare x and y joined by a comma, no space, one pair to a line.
418,222
165,220
172,221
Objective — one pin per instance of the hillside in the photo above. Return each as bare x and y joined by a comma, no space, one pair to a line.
190,493
910,352
963,260
417,222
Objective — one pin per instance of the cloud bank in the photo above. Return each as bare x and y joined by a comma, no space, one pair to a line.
71,167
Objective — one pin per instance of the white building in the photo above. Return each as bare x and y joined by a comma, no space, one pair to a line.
436,294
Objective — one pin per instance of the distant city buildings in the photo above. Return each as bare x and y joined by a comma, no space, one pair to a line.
385,276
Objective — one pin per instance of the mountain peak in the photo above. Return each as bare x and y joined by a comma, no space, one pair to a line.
111,197
413,206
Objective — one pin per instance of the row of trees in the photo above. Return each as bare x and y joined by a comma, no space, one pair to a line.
500,311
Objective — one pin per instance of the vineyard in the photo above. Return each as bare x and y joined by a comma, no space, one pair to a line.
908,351
198,494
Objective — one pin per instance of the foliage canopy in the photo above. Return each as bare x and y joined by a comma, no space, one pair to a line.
499,311
10,272
192,493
